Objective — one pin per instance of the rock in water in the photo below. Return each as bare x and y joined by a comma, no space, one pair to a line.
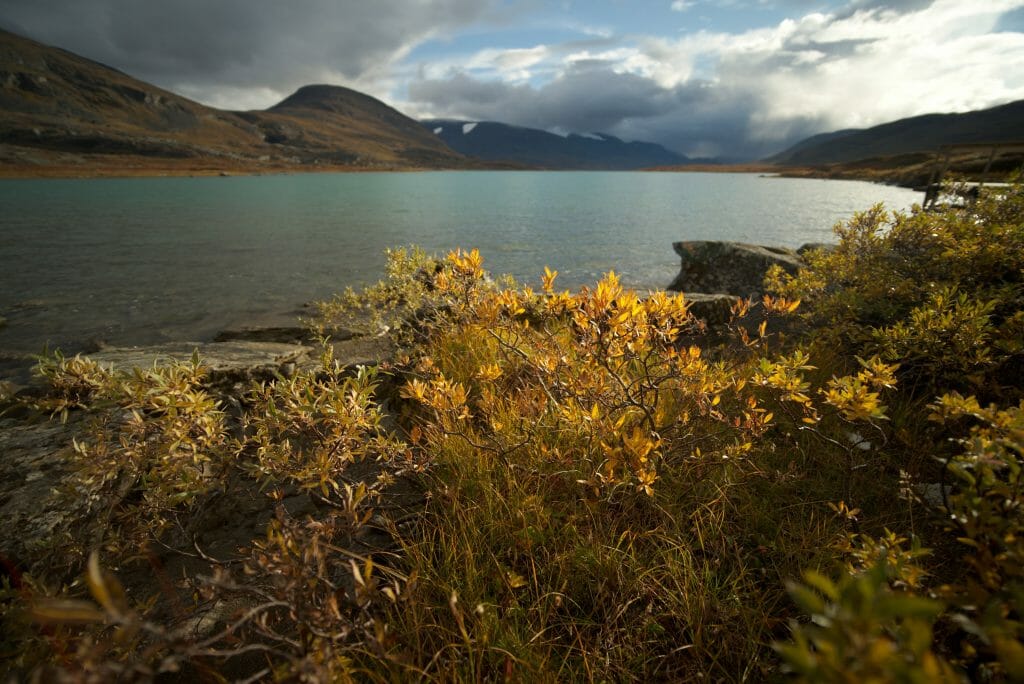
732,268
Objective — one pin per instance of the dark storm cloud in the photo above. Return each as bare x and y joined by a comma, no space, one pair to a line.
695,118
706,120
237,43
590,96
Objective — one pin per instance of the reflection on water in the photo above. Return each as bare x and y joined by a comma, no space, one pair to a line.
133,261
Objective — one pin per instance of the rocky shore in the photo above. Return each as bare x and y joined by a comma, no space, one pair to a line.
35,452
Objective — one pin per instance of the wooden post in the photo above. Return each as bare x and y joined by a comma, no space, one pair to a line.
988,165
931,191
943,159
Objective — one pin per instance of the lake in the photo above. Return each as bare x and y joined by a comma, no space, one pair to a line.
143,260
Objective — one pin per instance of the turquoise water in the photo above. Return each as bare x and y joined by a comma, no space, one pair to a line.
134,261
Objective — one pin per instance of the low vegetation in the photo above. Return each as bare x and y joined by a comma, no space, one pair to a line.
830,491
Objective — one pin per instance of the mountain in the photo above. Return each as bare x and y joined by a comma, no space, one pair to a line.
498,142
61,110
917,134
350,126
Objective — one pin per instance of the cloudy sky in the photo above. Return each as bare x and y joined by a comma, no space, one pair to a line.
735,78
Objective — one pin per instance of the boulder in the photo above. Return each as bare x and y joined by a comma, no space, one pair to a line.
713,309
733,268
811,246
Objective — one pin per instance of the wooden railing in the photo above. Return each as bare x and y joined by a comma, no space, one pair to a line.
945,154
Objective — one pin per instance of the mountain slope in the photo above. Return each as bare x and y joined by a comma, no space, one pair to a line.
925,133
333,117
59,108
492,141
53,100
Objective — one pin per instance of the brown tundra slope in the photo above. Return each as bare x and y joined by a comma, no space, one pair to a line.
61,114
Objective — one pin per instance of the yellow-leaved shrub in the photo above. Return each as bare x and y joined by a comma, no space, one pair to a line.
608,494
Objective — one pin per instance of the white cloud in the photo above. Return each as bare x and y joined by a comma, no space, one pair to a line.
756,90
882,66
732,92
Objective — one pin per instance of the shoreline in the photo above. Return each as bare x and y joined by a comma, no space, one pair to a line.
102,172
69,172
142,167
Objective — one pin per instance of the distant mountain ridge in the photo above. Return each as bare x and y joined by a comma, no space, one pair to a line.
498,142
926,133
59,108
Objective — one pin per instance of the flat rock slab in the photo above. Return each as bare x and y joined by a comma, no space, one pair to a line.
734,268
236,359
285,334
16,368
34,458
357,351
282,334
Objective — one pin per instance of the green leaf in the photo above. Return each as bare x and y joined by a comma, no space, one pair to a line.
904,605
821,583
808,600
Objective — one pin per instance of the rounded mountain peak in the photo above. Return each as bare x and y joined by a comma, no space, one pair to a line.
328,97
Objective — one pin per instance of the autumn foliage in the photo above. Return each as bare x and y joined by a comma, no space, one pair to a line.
607,493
